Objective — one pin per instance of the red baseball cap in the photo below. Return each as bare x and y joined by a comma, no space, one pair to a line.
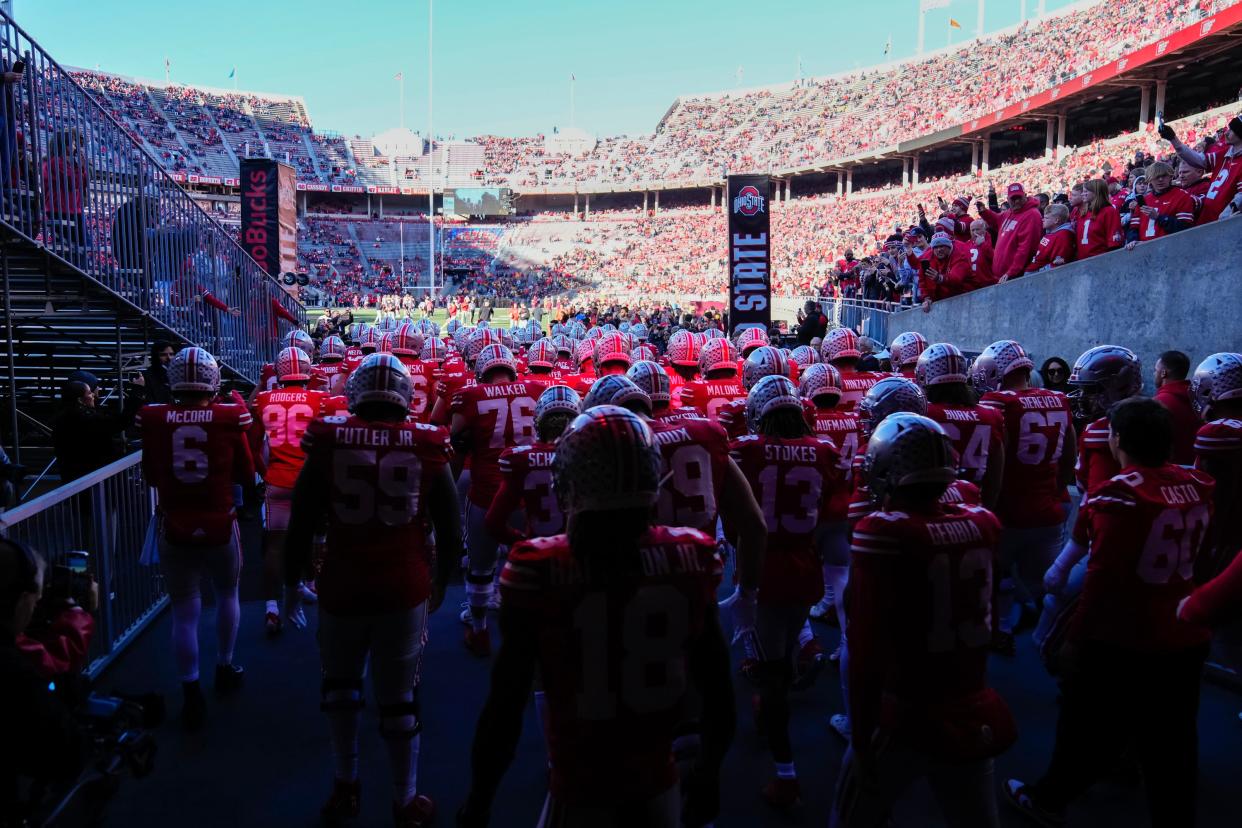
1015,190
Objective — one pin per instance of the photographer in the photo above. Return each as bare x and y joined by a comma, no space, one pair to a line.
33,658
812,323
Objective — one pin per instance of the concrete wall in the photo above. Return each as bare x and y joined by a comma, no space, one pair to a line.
1180,293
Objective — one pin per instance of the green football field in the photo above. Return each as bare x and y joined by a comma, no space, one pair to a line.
500,316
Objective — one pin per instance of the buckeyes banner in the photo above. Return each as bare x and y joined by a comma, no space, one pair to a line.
750,248
269,214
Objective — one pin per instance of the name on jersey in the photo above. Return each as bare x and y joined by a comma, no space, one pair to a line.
363,436
676,435
954,532
657,561
1042,401
191,415
286,396
1180,494
722,389
858,384
541,459
504,390
961,416
803,454
835,424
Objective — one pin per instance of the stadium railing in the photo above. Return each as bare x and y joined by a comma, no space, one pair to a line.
106,513
77,184
866,317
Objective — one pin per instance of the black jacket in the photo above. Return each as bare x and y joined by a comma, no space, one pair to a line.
158,389
815,325
86,439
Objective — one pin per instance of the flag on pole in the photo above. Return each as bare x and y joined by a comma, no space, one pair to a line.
167,64
888,47
573,78
399,76
953,24
233,72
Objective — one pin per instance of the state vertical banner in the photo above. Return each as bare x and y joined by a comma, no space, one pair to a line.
750,248
268,213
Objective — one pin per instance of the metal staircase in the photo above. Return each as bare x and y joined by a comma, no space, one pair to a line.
102,253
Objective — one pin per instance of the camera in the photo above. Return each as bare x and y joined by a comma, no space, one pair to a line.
70,581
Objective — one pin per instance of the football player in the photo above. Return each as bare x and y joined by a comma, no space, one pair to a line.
194,451
682,356
919,622
655,382
378,481
840,350
495,414
795,474
619,617
526,473
977,432
281,417
407,346
905,352
763,361
296,338
1127,652
332,368
720,383
1216,390
1040,453
821,384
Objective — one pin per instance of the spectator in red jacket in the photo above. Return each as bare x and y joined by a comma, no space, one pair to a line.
1098,226
980,247
943,269
1173,392
1057,247
1224,195
1018,231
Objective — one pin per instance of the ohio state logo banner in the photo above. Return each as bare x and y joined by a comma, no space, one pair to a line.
750,247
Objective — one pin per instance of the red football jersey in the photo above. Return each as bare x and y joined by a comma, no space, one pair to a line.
920,592
526,484
422,387
334,375
268,381
1096,463
378,474
495,417
283,415
451,379
855,385
193,456
1146,527
860,505
843,428
670,415
1098,232
675,383
1219,443
794,481
710,396
1226,175
1172,202
613,658
1037,424
695,453
976,432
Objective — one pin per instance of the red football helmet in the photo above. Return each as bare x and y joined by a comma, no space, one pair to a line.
385,343
644,351
942,362
298,338
193,369
379,378
653,379
764,361
434,351
369,340
493,357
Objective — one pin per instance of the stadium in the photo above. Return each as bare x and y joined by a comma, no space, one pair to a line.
585,393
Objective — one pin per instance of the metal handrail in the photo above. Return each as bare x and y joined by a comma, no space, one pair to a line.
76,182
107,513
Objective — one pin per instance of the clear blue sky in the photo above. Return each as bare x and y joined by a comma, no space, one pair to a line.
500,66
